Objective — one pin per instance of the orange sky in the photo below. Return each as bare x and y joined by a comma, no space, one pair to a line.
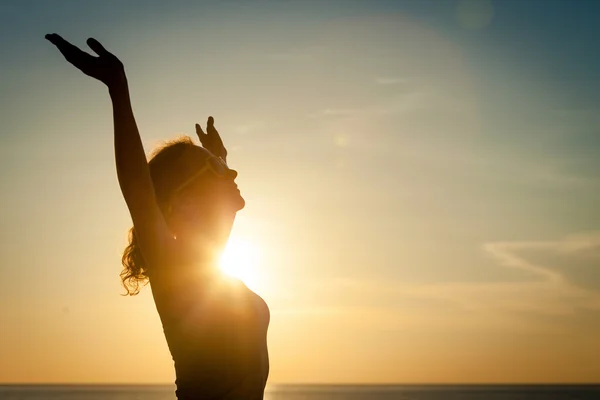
421,186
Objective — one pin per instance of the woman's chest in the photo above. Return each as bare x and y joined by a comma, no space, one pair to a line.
232,315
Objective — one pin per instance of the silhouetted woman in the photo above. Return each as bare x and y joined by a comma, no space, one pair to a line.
183,204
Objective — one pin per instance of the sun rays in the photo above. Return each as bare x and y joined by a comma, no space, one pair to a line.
241,259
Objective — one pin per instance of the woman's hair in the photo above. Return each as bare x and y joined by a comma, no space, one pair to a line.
167,169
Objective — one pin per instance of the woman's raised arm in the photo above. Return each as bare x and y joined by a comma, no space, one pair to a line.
154,238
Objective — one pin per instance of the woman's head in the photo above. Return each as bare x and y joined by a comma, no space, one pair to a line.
190,182
198,197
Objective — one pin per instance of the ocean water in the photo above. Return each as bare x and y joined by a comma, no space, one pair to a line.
312,392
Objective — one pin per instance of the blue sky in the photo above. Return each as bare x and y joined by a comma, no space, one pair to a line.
421,179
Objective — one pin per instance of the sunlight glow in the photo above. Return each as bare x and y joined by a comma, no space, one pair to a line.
240,259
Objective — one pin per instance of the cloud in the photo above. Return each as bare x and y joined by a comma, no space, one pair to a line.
546,292
580,243
249,127
532,304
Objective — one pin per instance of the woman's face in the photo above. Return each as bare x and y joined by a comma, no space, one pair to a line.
207,201
209,186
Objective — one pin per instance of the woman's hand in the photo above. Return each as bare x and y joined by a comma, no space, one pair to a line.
106,67
211,140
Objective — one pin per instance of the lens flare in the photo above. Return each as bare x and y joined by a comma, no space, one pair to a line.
240,259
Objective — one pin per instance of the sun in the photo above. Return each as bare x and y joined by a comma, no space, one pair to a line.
241,260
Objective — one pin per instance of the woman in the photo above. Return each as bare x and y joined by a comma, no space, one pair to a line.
183,204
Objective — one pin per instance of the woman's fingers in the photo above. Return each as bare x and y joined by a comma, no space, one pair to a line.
210,127
217,146
65,47
72,53
55,39
105,67
211,140
97,47
200,133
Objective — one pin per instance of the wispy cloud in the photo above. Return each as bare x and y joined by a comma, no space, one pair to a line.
249,127
499,304
402,103
546,291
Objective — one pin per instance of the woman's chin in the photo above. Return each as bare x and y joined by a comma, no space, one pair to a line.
240,203
235,199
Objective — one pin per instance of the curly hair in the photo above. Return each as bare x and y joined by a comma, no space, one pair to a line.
167,170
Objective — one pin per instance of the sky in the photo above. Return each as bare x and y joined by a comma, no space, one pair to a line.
422,183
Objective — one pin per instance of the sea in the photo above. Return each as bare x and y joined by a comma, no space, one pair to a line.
314,392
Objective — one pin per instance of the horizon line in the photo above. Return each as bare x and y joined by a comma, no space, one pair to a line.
597,383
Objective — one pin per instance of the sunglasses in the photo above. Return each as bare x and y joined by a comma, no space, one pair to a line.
213,164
